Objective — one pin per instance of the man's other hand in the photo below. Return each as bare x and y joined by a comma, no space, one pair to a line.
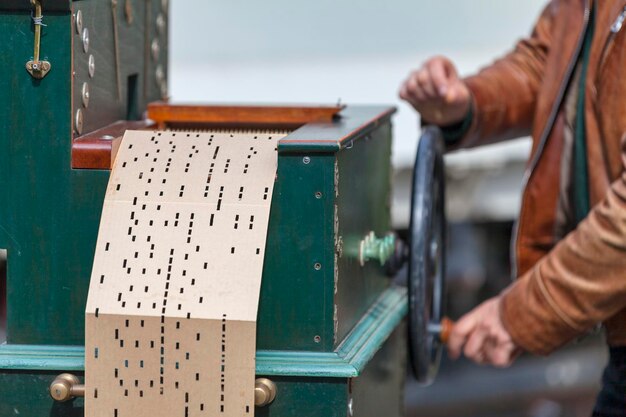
481,337
437,92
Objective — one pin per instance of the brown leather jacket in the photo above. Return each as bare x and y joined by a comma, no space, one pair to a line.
567,284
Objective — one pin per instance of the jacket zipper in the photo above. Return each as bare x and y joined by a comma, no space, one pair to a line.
616,27
546,133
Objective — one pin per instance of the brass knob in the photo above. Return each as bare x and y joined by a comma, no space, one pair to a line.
264,392
66,387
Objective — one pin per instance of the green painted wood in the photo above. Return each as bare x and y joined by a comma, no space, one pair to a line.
48,213
42,358
372,331
349,360
26,395
353,124
49,217
307,397
363,206
296,299
377,392
353,354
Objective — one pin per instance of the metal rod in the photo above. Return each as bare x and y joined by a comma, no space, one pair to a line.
38,15
77,391
146,52
117,49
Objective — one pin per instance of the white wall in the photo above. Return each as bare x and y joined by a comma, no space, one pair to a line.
320,51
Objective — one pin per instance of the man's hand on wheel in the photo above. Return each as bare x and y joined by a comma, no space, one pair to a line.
437,92
481,336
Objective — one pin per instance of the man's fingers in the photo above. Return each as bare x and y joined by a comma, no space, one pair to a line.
425,82
441,77
450,69
460,333
475,344
432,91
501,355
457,93
404,92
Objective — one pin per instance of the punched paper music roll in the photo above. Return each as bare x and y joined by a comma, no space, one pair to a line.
173,298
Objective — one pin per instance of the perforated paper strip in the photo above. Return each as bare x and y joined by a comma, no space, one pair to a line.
173,298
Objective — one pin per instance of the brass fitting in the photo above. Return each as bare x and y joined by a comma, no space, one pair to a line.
66,387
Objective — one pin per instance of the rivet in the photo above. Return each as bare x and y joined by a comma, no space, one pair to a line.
85,95
92,66
317,266
85,38
79,22
78,122
306,160
159,74
318,195
317,339
160,24
156,49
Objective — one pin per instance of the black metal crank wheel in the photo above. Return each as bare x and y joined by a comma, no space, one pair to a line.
426,285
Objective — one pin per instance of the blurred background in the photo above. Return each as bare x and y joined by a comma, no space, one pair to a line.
358,52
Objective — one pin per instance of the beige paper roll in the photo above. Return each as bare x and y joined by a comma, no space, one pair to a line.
174,292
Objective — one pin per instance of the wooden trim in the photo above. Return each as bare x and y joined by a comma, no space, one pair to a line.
355,122
97,150
164,114
319,129
347,361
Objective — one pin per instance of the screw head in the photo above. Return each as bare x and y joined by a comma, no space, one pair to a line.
85,95
78,22
92,66
317,339
318,195
78,122
306,160
160,24
159,74
156,49
317,266
85,39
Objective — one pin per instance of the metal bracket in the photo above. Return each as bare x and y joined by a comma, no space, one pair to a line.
373,248
36,68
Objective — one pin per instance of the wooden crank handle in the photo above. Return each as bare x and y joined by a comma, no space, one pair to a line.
442,330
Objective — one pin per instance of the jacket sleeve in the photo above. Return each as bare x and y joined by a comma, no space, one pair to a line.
580,283
505,93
